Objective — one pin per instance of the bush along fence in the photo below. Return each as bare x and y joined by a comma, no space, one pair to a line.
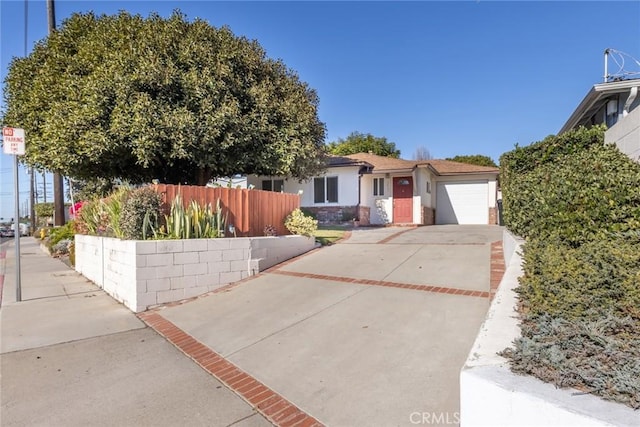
576,202
246,212
164,243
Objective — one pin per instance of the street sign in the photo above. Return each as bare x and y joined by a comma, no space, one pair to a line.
13,141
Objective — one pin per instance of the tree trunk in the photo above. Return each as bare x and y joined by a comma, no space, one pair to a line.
203,176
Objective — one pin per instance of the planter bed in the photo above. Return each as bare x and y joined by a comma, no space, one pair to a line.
491,394
144,273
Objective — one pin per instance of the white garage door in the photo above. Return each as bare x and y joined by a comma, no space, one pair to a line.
462,202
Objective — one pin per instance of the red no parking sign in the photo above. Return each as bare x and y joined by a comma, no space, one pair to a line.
13,141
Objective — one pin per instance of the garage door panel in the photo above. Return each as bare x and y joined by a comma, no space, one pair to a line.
462,202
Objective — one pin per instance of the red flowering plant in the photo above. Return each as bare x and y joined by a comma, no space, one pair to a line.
74,210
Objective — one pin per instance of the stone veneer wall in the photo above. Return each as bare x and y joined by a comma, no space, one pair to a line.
141,274
364,215
332,214
493,218
428,216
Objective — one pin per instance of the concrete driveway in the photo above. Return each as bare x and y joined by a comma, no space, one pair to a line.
371,331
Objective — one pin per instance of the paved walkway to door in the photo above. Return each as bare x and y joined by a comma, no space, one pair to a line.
372,331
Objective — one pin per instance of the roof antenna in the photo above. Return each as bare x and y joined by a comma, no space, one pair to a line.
618,57
606,63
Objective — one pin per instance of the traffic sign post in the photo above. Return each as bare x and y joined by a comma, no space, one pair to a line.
14,144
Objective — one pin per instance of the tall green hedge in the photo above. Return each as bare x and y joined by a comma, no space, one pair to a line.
570,189
577,203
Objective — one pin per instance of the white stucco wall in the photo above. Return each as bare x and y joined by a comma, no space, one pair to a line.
141,274
626,134
423,175
380,206
347,186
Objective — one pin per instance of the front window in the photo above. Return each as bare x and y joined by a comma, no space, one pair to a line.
378,186
273,185
325,189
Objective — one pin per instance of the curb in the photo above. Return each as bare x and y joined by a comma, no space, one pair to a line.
3,257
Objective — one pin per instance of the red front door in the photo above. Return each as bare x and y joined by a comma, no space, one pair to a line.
403,200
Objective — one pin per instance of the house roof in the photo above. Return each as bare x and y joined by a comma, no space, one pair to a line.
595,99
336,161
382,163
447,167
389,164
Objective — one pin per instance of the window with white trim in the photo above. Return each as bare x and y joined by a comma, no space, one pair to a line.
325,189
428,188
378,186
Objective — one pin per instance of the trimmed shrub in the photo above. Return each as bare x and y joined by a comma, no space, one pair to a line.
576,198
598,278
298,223
599,356
43,210
141,203
549,150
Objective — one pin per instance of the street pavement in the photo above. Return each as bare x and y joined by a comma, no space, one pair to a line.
372,331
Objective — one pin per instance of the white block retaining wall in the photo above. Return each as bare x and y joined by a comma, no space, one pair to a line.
492,395
143,273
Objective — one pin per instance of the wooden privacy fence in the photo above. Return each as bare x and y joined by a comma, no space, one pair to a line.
248,210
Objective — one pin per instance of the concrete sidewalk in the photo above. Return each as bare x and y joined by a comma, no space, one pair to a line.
71,355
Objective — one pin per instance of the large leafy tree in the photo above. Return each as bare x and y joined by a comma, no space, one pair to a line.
358,142
141,98
475,159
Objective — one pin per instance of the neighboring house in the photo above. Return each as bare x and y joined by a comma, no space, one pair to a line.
236,181
615,104
382,190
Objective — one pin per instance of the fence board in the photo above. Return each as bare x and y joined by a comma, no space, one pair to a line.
248,210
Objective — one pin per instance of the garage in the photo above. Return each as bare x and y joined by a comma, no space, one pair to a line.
462,202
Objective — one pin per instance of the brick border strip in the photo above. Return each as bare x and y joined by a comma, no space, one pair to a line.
394,235
497,267
424,288
270,404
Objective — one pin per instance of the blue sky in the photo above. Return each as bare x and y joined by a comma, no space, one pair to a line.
455,77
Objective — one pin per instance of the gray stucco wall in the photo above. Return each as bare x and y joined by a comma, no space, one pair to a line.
626,135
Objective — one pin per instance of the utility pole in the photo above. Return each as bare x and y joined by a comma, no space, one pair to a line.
32,176
32,199
58,183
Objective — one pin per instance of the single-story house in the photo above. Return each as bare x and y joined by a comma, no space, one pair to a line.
615,104
383,190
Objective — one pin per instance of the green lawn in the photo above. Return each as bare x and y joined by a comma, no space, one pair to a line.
328,234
